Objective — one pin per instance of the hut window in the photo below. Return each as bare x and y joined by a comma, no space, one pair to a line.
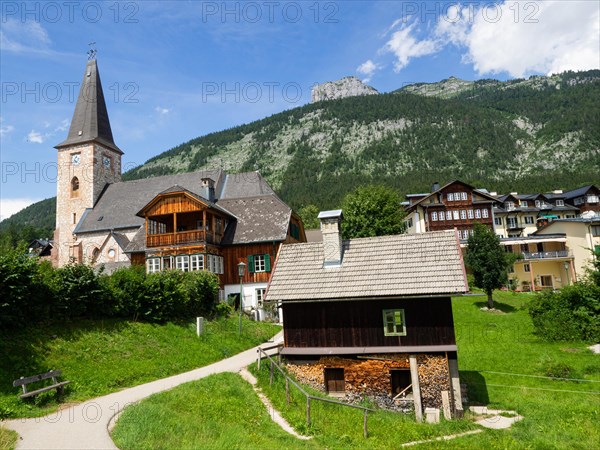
75,187
393,322
182,263
259,263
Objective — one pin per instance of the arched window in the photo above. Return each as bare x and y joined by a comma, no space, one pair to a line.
95,255
75,187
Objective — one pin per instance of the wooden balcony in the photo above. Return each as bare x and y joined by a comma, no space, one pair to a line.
181,237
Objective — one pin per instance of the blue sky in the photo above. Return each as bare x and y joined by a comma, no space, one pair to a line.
172,71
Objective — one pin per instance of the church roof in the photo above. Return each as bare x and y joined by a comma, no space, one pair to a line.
261,215
90,121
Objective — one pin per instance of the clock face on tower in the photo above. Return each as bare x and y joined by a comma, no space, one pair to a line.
106,162
75,159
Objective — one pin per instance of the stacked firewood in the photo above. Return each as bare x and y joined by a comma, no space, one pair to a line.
433,378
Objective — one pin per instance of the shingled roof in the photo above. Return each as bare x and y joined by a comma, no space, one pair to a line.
260,216
90,121
426,264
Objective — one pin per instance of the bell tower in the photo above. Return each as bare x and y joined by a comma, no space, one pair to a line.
88,160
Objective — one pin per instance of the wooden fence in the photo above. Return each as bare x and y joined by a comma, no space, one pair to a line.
275,365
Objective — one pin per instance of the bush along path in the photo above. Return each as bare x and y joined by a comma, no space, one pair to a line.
86,425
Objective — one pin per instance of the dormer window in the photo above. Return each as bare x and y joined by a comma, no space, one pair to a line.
509,205
524,203
75,187
538,204
560,203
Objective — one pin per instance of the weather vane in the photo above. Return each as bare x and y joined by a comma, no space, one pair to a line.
92,51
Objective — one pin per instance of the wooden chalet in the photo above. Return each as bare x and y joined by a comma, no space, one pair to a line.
456,205
372,316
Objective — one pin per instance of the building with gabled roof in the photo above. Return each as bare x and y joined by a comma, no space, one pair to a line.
208,220
373,315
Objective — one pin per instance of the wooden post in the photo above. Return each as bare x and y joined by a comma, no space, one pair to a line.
307,411
414,375
456,394
271,377
365,431
174,229
446,405
287,390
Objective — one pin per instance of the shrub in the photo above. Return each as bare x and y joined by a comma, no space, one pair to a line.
572,313
80,293
128,289
25,295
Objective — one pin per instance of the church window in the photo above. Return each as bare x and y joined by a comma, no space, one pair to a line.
75,187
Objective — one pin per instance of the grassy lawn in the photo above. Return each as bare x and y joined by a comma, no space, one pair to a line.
557,413
100,357
220,411
8,438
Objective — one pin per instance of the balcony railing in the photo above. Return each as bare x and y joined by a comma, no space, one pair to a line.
547,255
181,237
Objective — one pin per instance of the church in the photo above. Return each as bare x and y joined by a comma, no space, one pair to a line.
209,220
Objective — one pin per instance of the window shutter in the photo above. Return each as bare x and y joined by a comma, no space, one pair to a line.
251,264
267,263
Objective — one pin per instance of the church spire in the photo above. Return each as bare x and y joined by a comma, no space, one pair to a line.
90,121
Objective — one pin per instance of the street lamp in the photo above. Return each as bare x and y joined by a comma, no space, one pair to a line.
241,270
567,266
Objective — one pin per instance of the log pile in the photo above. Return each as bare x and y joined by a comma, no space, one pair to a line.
434,377
371,377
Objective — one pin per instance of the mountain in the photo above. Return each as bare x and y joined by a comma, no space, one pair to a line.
343,88
520,135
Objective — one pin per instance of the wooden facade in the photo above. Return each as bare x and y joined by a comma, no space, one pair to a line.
360,324
178,223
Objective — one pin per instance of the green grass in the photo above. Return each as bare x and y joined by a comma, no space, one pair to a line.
100,357
554,418
220,411
8,439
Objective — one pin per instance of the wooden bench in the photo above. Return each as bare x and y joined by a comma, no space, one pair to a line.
54,374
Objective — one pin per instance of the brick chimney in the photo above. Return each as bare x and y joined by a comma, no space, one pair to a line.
331,228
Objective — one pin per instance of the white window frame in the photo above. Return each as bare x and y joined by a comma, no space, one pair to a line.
152,265
434,216
485,213
442,216
478,214
260,296
524,204
455,214
526,267
259,263
196,262
592,198
498,221
448,215
529,220
538,204
470,214
450,196
463,195
463,214
560,202
182,262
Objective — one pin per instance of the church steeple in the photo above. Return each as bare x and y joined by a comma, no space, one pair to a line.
90,121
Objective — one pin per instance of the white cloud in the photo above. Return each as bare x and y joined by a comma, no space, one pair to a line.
368,68
35,137
5,129
552,37
519,38
406,47
162,111
10,206
63,126
19,36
